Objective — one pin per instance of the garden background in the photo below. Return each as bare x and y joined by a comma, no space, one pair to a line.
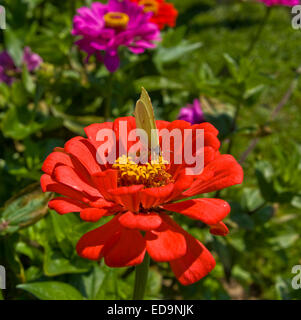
205,56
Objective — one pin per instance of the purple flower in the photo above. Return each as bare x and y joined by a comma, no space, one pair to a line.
289,3
7,68
31,59
192,113
106,27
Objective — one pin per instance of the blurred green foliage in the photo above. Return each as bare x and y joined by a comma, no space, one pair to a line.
204,56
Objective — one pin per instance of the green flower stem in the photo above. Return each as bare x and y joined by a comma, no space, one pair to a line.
259,31
141,278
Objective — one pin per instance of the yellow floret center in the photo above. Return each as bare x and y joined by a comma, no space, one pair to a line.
149,5
151,174
116,20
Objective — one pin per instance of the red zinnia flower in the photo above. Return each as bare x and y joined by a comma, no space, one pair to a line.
164,14
141,198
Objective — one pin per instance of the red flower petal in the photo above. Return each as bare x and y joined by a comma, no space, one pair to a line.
69,177
165,16
66,205
93,214
167,242
195,264
76,165
183,182
55,159
210,140
94,134
152,197
221,173
104,181
178,125
161,124
102,203
209,211
207,127
140,221
219,229
93,129
85,152
209,155
48,184
128,250
91,244
122,137
128,197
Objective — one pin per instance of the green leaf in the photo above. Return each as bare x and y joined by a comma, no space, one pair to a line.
283,288
153,83
173,37
19,95
33,273
113,286
253,93
237,243
52,290
76,124
173,54
13,127
251,199
243,220
264,173
56,263
284,241
296,202
224,254
243,275
263,215
27,80
64,227
232,65
14,46
35,254
154,283
24,209
89,283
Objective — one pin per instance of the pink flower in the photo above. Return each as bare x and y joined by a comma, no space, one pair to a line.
8,69
289,3
103,28
31,59
192,113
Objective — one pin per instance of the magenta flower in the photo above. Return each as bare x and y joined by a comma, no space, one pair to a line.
8,69
103,28
31,59
192,113
289,3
